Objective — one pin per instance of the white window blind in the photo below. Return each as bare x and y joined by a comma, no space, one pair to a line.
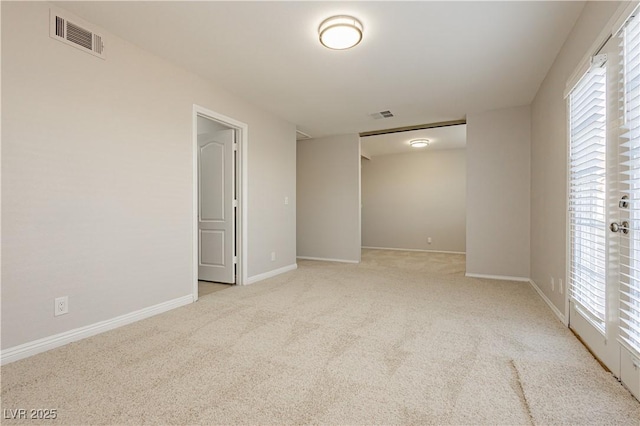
630,172
587,196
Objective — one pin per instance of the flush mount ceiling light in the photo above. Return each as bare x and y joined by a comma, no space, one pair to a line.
340,32
419,143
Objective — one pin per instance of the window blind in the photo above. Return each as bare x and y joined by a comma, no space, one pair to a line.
630,179
587,196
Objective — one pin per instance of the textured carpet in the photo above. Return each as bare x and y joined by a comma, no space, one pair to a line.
402,338
205,287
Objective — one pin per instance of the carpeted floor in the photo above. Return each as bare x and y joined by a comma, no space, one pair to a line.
402,338
206,287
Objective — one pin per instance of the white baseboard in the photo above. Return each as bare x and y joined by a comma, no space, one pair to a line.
419,250
553,307
270,274
47,343
498,277
324,259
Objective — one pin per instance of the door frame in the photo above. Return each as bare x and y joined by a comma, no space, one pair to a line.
627,372
241,225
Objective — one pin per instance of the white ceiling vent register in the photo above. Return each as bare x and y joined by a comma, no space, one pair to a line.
73,31
380,115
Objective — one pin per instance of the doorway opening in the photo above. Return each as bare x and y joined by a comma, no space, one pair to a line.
414,195
219,202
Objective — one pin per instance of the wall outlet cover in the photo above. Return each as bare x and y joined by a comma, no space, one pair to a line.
61,306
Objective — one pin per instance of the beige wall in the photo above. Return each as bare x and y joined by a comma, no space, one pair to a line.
409,197
328,219
549,153
97,179
498,182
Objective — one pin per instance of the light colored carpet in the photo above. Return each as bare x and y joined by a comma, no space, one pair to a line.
403,338
206,288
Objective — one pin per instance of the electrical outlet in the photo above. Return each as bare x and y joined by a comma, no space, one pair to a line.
273,256
560,284
553,284
61,306
429,240
286,201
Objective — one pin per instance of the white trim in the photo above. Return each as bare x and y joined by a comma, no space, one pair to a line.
611,29
418,250
623,15
359,197
553,307
567,216
581,70
47,343
325,259
497,277
242,228
271,274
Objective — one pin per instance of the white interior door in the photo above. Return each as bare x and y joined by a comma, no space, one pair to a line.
216,211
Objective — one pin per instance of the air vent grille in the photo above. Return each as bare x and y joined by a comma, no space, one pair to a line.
380,115
97,43
74,32
79,36
59,27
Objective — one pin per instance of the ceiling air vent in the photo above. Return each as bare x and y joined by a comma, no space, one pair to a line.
75,32
301,136
380,115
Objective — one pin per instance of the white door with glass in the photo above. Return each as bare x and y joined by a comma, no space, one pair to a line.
604,206
216,206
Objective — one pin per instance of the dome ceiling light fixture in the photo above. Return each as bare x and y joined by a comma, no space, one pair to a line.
419,143
340,32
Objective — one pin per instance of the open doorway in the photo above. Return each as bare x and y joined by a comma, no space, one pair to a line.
219,240
414,198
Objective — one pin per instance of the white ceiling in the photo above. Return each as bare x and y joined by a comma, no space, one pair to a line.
452,137
425,61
